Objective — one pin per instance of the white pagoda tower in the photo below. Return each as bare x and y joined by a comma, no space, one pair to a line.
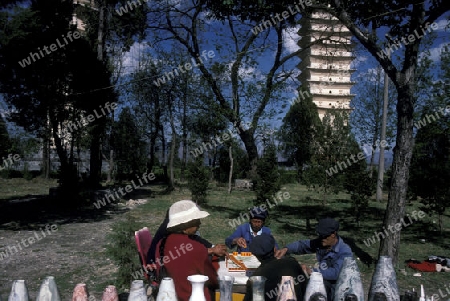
325,66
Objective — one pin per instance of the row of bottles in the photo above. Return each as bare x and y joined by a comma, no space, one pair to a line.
48,291
348,287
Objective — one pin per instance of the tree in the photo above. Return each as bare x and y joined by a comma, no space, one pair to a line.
198,179
128,146
430,166
331,149
358,182
107,32
366,116
398,27
298,132
45,92
4,137
267,181
242,96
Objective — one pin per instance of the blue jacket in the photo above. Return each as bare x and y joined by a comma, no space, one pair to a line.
244,231
329,262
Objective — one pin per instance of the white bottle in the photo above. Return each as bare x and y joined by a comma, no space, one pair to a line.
166,290
48,290
19,291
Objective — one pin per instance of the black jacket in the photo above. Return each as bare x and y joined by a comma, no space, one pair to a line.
273,269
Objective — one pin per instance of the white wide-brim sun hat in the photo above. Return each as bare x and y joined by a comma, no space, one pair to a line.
184,211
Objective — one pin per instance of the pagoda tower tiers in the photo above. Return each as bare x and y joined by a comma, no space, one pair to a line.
325,66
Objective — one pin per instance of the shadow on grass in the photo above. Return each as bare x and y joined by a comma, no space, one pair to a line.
26,214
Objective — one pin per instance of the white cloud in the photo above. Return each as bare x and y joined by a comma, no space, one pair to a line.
290,39
434,53
442,24
130,59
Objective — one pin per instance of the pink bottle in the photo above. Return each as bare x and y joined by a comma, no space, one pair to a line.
110,294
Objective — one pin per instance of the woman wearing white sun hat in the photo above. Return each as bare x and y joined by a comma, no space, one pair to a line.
181,255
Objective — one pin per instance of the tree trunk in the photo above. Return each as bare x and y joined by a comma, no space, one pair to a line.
230,175
46,157
164,155
395,210
111,166
185,135
95,161
46,149
172,152
250,146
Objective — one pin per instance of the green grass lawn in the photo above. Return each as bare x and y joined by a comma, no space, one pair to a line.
289,218
19,187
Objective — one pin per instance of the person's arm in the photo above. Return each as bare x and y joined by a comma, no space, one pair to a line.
300,247
230,241
209,270
330,269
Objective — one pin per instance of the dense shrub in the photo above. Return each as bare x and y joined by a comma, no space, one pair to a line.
288,176
122,250
198,180
267,181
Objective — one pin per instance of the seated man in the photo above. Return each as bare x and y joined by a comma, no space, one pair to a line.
330,252
263,247
244,234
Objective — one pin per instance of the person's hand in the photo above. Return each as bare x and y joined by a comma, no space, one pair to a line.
218,250
306,269
151,267
280,253
241,242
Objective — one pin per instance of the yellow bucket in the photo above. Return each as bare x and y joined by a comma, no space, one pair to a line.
235,296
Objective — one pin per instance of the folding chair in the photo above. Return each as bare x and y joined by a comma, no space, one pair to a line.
143,241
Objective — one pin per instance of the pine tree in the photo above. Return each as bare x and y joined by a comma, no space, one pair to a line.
267,181
198,179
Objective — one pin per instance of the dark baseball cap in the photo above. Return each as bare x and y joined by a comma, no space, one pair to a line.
327,226
259,213
262,244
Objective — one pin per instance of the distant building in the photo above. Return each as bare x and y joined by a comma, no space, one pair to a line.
77,22
325,66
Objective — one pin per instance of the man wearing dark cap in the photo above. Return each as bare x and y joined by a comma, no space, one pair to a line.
263,247
244,234
330,252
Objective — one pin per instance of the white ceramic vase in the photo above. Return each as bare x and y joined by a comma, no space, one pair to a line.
287,290
384,281
166,290
349,282
48,290
19,291
137,291
315,290
258,287
198,284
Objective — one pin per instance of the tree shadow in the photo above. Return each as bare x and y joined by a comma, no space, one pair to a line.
25,214
365,257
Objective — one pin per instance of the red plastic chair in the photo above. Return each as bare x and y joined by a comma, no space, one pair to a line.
143,241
